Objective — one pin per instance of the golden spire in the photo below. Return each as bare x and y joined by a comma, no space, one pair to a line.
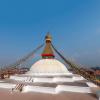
48,52
48,37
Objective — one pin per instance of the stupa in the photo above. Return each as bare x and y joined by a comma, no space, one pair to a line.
49,76
48,65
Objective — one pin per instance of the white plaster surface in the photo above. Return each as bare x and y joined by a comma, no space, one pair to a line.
58,89
91,84
49,66
62,79
61,88
38,89
18,78
44,80
78,78
7,85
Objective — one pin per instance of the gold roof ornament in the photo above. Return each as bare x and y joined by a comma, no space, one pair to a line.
48,37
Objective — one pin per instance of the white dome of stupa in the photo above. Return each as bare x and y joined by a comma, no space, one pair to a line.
48,67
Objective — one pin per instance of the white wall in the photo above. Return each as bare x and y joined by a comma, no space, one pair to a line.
7,85
61,88
39,89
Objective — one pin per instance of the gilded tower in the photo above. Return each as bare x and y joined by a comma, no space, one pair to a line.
48,52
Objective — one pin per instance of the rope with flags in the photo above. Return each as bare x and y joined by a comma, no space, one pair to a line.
14,68
76,68
24,59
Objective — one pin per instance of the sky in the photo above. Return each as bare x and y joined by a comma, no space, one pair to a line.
73,24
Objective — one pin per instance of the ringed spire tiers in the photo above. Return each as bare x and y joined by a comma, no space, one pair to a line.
48,52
